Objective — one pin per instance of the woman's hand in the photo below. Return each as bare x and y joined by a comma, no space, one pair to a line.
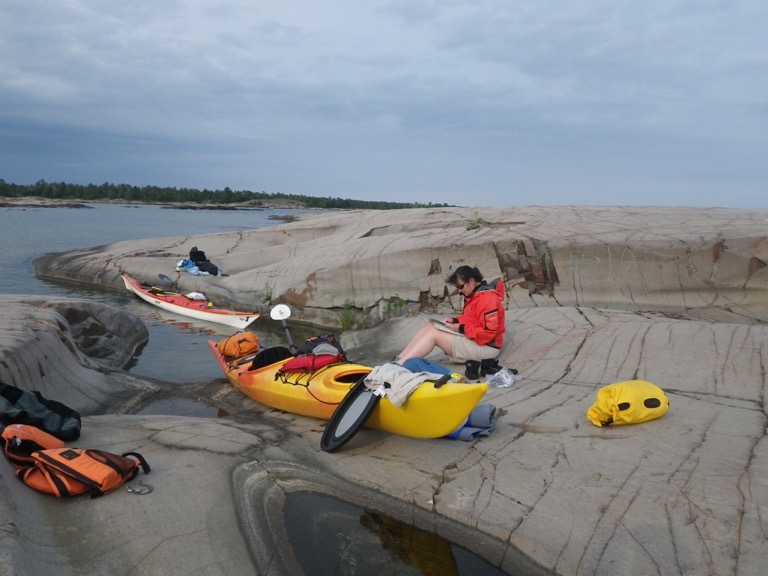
451,324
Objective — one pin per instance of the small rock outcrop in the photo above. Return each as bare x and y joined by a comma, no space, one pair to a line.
72,351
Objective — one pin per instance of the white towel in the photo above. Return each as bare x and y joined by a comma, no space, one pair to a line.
396,383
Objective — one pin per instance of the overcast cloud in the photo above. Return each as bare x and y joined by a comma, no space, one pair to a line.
470,102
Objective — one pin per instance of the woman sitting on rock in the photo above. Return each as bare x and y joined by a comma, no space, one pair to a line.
476,334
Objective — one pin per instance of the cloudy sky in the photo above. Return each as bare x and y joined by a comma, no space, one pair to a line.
469,102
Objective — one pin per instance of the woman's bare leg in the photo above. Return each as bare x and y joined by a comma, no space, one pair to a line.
424,341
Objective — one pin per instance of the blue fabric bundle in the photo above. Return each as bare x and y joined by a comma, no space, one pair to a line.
480,422
422,365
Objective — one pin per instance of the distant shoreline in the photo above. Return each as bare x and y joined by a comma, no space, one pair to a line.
39,202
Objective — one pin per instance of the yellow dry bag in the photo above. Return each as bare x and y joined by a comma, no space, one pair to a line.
629,402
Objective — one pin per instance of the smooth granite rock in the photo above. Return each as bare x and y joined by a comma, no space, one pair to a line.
676,296
371,265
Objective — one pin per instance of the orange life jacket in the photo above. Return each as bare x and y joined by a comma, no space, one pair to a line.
73,471
44,463
238,345
21,440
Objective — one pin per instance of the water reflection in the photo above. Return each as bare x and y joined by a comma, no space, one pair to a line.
331,537
177,350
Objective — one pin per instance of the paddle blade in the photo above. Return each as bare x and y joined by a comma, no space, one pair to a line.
168,281
280,312
350,415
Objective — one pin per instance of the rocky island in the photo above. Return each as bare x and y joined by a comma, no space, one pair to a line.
675,296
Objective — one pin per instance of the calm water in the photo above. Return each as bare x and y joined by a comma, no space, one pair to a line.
379,544
27,233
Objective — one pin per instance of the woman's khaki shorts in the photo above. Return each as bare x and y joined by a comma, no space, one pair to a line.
465,349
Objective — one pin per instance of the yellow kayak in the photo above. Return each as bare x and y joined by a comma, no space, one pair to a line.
429,412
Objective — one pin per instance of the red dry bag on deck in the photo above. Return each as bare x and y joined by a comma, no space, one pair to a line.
306,363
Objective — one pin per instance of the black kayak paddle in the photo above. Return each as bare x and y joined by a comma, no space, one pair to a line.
350,415
281,312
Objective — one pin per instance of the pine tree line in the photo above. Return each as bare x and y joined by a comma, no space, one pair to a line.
166,195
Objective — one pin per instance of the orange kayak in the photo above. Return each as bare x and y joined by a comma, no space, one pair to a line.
187,306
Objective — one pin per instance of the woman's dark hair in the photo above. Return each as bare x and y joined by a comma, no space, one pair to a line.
465,273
